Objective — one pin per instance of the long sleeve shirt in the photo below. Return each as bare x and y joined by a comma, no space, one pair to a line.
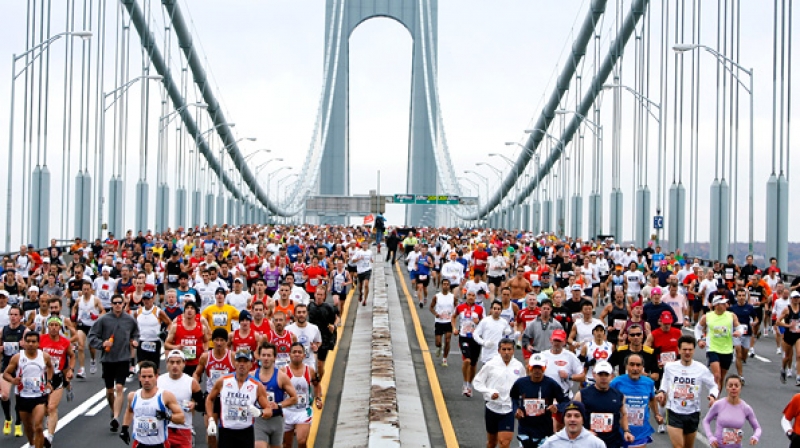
730,420
488,334
124,328
498,377
537,334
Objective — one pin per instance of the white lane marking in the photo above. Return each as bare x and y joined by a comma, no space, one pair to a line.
73,414
762,359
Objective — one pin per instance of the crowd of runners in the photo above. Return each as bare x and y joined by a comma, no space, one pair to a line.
566,341
570,341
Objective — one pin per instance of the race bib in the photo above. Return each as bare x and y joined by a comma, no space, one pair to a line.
270,396
794,326
220,319
190,352
619,324
731,436
636,415
314,282
667,357
534,407
601,421
422,277
282,360
216,374
684,392
31,384
302,401
10,348
172,278
467,326
576,317
146,427
565,275
446,315
149,346
271,283
237,413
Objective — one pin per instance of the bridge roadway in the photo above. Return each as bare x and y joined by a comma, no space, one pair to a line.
84,421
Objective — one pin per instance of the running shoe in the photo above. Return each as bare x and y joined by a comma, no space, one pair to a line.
783,376
797,382
469,392
114,425
752,352
420,304
48,442
81,373
438,352
464,390
741,378
7,428
779,351
662,429
789,372
18,430
93,367
444,362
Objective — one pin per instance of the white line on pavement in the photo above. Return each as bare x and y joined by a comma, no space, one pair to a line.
73,414
762,359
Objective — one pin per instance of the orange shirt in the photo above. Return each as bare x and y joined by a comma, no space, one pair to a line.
792,412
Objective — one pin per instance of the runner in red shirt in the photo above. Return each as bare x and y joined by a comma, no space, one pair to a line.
479,260
261,325
244,337
63,358
188,334
315,275
524,317
664,340
252,264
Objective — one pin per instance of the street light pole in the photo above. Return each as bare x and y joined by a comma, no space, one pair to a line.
14,75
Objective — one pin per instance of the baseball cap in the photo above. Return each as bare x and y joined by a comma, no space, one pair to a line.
637,303
3,292
576,287
244,353
245,315
603,367
46,260
656,290
33,289
220,290
537,360
237,279
666,317
536,283
176,353
558,335
663,262
794,294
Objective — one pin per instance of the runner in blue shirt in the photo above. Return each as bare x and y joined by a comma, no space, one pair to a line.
639,391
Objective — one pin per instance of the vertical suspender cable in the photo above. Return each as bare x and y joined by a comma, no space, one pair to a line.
789,96
65,130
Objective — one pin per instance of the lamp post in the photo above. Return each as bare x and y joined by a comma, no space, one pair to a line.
44,175
724,60
280,182
547,204
260,167
257,151
512,214
477,190
273,173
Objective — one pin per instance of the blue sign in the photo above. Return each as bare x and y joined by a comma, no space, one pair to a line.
658,222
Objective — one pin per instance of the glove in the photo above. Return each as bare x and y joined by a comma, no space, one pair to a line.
212,427
487,343
125,435
254,411
164,415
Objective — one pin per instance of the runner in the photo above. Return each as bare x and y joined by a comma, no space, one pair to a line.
150,410
443,307
188,394
281,339
297,418
490,330
781,303
280,394
723,326
496,272
12,338
536,337
453,271
595,351
85,313
535,399
525,316
494,381
215,364
748,318
424,265
340,279
363,259
466,318
220,314
150,320
574,432
680,393
605,407
730,414
244,336
306,334
789,320
115,334
563,365
189,334
63,357
639,393
31,372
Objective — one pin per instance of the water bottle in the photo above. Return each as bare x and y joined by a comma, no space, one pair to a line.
70,395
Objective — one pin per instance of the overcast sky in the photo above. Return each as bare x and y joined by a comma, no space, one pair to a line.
497,64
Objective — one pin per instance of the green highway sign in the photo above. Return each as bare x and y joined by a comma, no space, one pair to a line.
425,199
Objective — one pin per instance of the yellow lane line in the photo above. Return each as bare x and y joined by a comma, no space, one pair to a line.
433,379
326,380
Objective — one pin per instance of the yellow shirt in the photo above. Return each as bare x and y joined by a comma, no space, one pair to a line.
220,317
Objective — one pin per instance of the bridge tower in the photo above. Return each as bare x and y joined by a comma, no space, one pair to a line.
419,17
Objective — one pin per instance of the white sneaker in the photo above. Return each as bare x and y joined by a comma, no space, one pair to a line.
752,352
93,367
779,351
81,373
662,429
789,373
